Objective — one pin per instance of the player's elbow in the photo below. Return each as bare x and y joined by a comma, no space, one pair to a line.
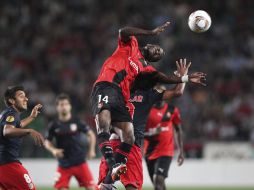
122,31
178,93
7,131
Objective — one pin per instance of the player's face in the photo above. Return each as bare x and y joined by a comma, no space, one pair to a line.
63,107
20,100
153,52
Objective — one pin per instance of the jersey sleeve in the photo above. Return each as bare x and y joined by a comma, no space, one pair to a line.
50,133
155,96
133,42
83,127
176,117
149,68
11,119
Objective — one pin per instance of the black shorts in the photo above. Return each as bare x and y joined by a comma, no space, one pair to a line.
159,166
106,95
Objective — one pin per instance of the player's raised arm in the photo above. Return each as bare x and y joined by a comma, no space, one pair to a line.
33,115
182,70
127,31
11,132
196,78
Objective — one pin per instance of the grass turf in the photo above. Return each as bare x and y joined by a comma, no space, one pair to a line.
174,188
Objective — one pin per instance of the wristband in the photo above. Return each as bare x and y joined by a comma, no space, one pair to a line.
185,78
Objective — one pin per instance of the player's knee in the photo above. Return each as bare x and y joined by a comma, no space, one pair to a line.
159,182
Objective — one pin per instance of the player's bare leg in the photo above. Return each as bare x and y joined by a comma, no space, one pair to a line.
103,122
121,154
63,188
116,164
159,182
127,131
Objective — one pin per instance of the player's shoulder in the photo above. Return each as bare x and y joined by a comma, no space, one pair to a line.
9,111
173,109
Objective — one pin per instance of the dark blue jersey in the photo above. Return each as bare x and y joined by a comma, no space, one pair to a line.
143,100
9,147
70,137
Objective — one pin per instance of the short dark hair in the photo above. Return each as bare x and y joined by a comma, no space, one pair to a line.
10,93
62,96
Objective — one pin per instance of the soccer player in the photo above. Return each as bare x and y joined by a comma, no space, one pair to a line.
111,92
162,121
12,174
70,150
143,101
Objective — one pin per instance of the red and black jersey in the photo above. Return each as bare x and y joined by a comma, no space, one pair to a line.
143,101
163,143
123,66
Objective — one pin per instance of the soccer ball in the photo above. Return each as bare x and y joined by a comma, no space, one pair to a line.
199,21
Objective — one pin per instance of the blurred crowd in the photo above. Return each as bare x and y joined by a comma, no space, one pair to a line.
55,46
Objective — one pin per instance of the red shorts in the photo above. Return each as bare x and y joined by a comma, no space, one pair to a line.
14,176
134,174
81,172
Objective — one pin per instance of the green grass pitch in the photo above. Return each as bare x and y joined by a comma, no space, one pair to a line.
175,188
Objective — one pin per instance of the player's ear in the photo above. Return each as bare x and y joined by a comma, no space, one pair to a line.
11,101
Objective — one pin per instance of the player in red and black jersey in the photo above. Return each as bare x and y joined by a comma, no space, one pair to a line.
111,91
143,101
162,121
12,174
70,135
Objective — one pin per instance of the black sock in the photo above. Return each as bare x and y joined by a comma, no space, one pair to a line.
106,148
122,152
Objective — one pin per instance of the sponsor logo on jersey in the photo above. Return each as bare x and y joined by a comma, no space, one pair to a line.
136,98
134,65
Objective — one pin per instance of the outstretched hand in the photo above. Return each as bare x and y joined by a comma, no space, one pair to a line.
182,67
36,110
38,138
198,78
160,29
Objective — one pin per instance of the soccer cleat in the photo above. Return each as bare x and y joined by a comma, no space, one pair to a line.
117,170
104,186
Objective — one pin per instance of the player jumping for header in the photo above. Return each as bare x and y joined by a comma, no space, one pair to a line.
111,92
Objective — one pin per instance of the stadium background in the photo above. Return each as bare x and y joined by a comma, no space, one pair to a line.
53,46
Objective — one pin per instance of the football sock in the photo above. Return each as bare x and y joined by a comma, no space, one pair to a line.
106,148
122,152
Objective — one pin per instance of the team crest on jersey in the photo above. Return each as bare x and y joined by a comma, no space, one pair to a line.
10,119
73,127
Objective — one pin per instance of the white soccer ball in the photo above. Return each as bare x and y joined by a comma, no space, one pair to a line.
199,21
